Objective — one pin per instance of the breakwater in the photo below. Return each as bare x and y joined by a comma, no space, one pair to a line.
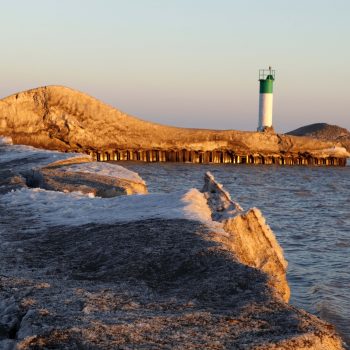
216,156
59,118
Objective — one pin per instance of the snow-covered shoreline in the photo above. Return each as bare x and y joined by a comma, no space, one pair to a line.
31,156
140,270
104,169
55,208
52,208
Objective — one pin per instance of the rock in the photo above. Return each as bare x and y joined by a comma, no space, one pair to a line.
255,245
325,132
152,284
10,318
219,200
99,179
321,130
9,181
7,344
29,326
250,238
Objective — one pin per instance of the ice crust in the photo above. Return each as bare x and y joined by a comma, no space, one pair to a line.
46,208
5,140
335,151
104,169
33,156
50,208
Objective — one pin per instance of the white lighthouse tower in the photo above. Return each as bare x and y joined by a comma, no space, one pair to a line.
266,79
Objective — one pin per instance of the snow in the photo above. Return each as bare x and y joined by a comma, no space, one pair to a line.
32,156
40,208
104,169
223,192
50,208
335,151
196,206
5,140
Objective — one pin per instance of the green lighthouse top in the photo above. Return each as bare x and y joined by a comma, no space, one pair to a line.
267,74
266,78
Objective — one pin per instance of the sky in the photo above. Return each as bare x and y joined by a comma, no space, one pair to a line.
190,63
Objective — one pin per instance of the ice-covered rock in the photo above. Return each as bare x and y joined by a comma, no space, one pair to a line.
17,162
99,179
249,236
218,199
255,245
10,317
5,140
67,172
53,208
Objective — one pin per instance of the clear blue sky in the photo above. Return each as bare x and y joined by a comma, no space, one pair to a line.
185,62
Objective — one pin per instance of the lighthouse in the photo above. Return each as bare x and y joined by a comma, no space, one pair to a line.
266,79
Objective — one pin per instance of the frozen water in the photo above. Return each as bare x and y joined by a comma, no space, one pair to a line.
52,208
104,169
5,140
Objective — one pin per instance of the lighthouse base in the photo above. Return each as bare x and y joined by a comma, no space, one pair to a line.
267,129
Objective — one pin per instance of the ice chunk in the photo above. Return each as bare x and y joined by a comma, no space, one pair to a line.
50,208
104,169
5,140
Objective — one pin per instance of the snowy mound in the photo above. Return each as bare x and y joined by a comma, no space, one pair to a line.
99,179
24,157
335,151
66,172
104,169
50,208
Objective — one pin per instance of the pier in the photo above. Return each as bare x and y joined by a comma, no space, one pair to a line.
213,157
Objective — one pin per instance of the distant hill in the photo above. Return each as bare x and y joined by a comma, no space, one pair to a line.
325,132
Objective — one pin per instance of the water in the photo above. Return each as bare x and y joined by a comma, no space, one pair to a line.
308,208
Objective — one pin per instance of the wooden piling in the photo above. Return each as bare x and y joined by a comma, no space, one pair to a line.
215,156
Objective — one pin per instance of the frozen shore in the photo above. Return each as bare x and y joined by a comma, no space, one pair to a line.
190,270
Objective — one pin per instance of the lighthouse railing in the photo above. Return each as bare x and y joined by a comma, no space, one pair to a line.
263,73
